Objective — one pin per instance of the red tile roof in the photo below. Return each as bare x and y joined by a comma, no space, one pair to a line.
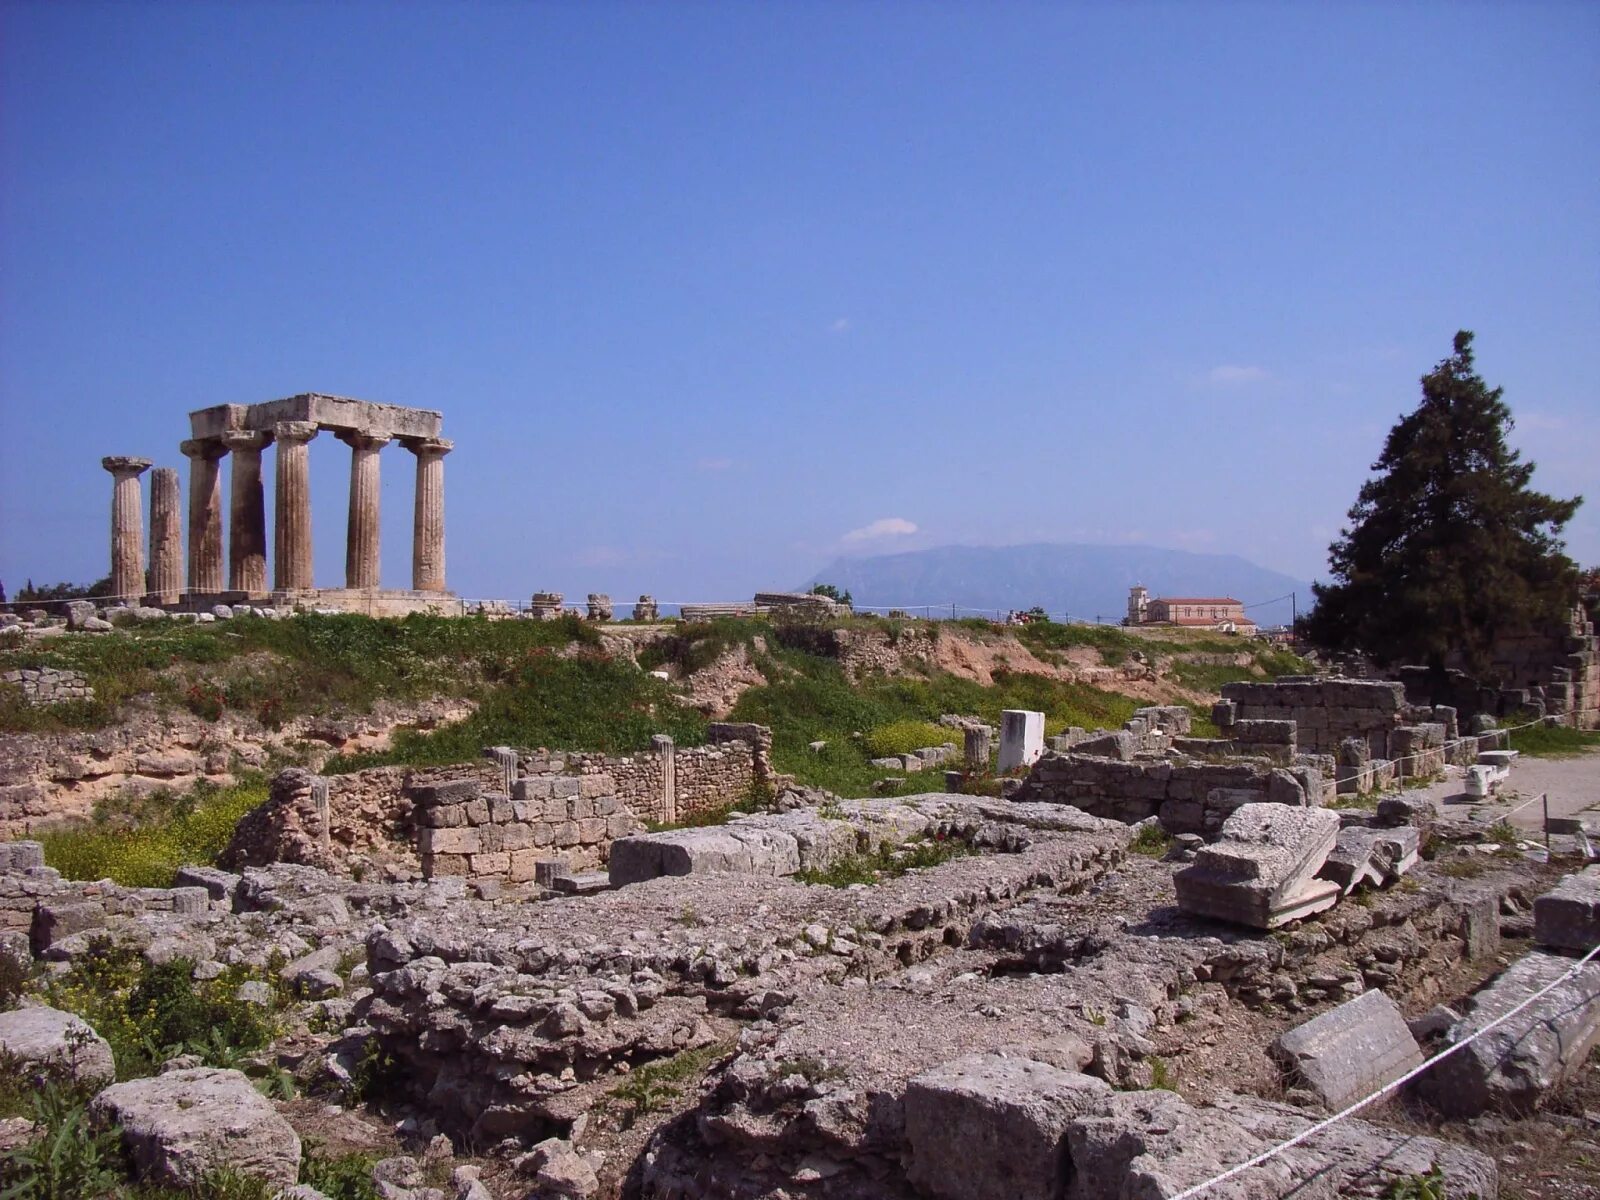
1194,600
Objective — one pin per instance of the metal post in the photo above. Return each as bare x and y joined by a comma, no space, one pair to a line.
1546,799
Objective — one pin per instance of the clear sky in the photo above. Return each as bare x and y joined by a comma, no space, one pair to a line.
711,293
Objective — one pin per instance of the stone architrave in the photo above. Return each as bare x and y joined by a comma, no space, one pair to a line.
1262,870
292,528
247,519
127,527
361,556
205,513
427,540
166,538
1349,1051
1021,739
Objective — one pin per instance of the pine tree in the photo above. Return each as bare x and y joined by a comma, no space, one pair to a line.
1448,546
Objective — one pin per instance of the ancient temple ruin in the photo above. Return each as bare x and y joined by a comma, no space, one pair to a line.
244,432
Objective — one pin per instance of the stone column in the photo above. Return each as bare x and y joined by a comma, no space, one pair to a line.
361,536
205,514
427,544
166,538
127,527
292,569
247,513
668,750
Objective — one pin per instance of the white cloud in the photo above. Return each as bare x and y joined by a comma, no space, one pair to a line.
713,464
840,325
883,527
1231,373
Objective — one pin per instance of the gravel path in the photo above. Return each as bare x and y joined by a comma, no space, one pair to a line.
1572,785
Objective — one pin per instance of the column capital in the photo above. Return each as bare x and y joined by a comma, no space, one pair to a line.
246,439
124,467
358,440
426,447
295,431
209,449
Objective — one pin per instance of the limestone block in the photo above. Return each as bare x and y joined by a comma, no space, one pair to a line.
463,840
1021,739
984,1127
181,1126
1150,1144
727,848
219,884
434,865
1262,871
558,808
53,922
1515,1067
535,787
592,830
565,785
495,863
20,856
522,865
1351,1050
1568,917
565,834
1371,857
46,1038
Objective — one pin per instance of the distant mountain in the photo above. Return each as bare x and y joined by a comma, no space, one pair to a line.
1080,581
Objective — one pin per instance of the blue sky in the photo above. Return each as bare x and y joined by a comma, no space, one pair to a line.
710,294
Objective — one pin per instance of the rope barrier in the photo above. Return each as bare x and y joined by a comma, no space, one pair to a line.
1313,1130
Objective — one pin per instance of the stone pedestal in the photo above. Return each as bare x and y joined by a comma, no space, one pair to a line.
127,527
166,538
247,538
1021,739
205,514
361,560
292,528
427,544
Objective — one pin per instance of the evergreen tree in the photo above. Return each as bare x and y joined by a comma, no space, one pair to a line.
1448,546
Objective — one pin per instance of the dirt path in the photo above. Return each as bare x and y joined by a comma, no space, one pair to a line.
1571,784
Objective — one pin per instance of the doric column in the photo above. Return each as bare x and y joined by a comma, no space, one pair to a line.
247,513
427,544
361,536
127,526
205,514
292,527
166,538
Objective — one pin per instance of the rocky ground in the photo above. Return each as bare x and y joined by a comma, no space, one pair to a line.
740,1035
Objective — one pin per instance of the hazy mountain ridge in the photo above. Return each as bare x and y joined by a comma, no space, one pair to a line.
1083,581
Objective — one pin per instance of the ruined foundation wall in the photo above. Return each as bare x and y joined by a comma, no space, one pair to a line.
1325,711
1187,797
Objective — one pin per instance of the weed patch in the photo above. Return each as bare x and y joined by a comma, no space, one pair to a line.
889,862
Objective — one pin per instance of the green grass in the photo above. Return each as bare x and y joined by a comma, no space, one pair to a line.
193,828
587,702
906,737
1151,841
1554,741
889,862
274,670
652,1087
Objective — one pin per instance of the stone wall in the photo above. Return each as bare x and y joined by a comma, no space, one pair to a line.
464,829
1555,673
864,652
53,777
48,685
1325,711
1187,797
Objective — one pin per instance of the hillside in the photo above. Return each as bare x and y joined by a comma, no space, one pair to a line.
1082,581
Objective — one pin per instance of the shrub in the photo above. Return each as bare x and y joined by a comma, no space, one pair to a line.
905,737
67,1159
194,828
148,1012
344,1177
